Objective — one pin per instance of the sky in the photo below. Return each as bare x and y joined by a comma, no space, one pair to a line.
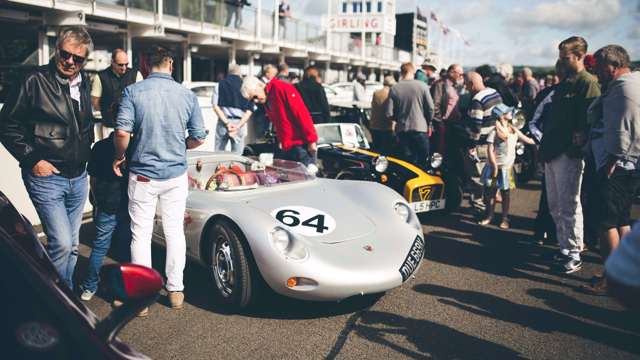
520,32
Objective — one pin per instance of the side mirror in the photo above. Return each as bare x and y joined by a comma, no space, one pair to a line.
136,286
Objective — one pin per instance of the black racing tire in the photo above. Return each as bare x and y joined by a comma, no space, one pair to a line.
452,194
231,265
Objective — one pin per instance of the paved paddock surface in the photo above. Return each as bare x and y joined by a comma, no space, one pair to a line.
481,293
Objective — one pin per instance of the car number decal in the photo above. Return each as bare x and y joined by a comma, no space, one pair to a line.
305,220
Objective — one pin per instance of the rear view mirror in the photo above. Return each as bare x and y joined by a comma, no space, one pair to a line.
136,286
131,282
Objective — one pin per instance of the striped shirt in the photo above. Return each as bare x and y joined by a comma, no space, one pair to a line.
481,105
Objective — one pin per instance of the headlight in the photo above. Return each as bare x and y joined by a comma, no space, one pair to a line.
280,239
519,119
436,160
381,164
403,211
288,245
519,149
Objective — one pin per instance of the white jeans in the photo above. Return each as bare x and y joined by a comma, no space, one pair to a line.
563,177
172,196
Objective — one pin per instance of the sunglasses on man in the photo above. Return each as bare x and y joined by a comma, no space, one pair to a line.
65,55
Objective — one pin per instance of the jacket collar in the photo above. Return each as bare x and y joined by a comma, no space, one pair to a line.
160,75
53,73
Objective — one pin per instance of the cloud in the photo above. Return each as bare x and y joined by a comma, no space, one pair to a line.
472,12
575,15
314,8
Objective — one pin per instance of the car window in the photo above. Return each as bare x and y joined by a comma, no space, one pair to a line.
344,87
203,91
329,134
330,91
344,134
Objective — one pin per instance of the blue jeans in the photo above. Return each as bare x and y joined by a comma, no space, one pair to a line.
300,154
223,137
59,202
108,227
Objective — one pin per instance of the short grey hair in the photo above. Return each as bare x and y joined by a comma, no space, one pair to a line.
250,85
234,69
614,55
77,34
527,71
506,70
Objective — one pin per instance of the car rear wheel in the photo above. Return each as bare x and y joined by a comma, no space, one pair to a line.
231,266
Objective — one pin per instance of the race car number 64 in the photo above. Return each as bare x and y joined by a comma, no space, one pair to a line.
305,220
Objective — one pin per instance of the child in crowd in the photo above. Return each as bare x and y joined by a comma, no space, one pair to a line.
111,216
498,172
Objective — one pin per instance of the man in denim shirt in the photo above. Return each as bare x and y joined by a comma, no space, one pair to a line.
158,112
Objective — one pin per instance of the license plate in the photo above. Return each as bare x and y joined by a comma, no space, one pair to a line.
428,205
413,259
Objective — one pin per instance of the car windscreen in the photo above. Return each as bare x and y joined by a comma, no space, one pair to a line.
344,134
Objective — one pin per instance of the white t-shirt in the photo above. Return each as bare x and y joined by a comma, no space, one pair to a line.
74,89
505,150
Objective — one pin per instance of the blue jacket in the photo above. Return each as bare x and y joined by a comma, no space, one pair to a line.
159,113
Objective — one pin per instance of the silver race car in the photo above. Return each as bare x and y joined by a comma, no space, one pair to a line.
272,222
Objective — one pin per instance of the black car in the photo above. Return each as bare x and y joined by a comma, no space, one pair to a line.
43,319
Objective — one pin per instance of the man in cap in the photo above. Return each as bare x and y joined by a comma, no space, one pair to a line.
427,73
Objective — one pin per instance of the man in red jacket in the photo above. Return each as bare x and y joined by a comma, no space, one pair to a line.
291,119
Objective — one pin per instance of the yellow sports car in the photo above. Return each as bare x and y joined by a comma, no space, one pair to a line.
344,153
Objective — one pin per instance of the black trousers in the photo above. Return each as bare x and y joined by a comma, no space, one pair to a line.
414,147
544,222
383,141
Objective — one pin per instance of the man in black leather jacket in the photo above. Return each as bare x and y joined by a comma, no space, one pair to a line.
47,126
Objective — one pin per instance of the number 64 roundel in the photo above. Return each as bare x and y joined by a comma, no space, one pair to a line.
305,220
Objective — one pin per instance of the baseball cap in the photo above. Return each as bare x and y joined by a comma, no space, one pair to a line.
501,109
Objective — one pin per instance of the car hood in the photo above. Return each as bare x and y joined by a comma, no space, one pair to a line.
352,217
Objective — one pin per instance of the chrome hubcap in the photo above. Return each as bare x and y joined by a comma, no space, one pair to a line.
223,267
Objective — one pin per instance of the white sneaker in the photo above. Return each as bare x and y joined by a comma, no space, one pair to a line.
87,295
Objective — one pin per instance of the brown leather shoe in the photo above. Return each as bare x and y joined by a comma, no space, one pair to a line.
598,287
144,312
176,298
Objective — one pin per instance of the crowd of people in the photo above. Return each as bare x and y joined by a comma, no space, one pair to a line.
587,126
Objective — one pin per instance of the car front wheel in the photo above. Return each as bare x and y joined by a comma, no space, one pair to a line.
230,266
